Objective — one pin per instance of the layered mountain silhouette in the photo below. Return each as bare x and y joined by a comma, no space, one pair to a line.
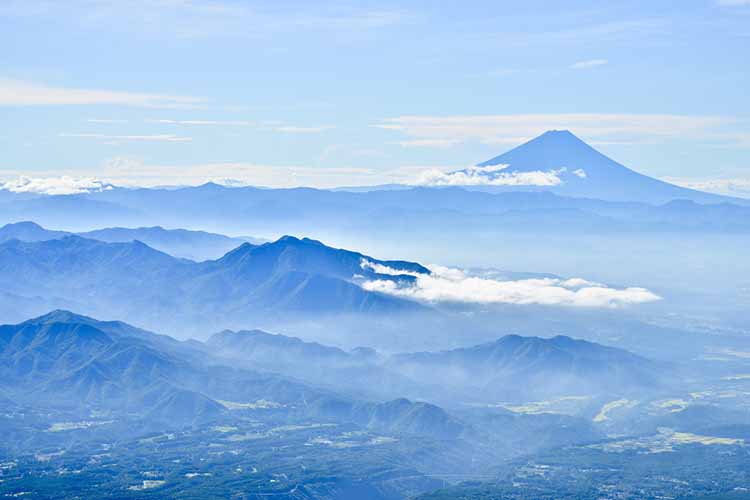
518,367
555,182
510,368
64,361
274,351
583,171
133,280
194,245
28,231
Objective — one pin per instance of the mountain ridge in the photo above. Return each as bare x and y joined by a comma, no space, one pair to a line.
289,276
181,243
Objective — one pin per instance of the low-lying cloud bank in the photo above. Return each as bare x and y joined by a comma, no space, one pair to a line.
497,175
454,285
55,185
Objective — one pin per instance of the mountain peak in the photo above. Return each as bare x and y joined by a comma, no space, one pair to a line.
25,224
553,149
60,316
287,239
560,162
560,133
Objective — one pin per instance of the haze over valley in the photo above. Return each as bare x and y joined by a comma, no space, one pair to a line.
394,251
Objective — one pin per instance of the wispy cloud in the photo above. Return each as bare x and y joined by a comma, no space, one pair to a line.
509,129
578,33
233,123
129,138
189,19
739,186
291,129
428,143
445,284
732,3
590,63
63,185
135,172
23,93
105,120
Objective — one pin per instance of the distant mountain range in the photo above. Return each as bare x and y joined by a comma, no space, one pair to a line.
289,276
531,367
80,365
194,245
511,368
64,361
554,183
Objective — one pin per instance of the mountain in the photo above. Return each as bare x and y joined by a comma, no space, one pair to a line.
512,367
69,358
525,368
64,361
584,172
194,245
396,416
28,231
275,351
356,372
290,276
593,195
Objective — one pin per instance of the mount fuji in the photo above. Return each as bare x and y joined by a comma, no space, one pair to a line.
557,161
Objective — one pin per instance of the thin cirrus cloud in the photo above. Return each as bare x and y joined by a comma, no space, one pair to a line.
443,131
445,284
130,138
105,120
282,128
291,129
590,63
23,93
739,186
232,123
428,143
190,19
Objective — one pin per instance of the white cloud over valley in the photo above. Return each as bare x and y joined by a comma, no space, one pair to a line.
446,284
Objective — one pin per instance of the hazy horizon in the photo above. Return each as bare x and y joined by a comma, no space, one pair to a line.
393,250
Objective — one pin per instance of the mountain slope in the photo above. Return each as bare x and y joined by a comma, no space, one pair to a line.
511,367
272,350
28,231
63,361
585,172
78,362
194,245
135,281
533,367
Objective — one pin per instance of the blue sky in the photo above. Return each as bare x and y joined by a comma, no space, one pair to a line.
340,93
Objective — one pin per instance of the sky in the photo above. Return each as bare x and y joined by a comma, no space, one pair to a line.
324,94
